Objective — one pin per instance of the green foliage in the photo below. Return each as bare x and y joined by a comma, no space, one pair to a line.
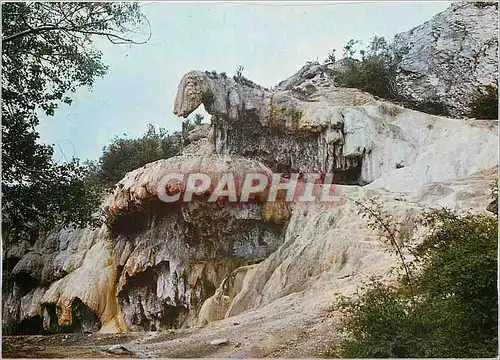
331,57
124,155
429,106
375,72
349,48
378,324
453,309
56,195
484,104
47,53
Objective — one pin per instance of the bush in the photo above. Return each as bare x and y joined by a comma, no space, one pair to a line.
374,73
453,309
124,155
484,104
277,211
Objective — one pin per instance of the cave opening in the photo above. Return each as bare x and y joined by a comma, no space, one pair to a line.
25,282
30,326
50,323
143,310
351,176
84,319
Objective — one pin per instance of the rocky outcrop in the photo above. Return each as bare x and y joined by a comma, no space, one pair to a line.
334,130
269,267
152,264
450,56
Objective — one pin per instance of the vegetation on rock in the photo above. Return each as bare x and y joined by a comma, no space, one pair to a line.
484,104
376,70
452,308
124,154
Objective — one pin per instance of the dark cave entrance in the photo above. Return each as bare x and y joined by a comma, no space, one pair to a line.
83,319
142,309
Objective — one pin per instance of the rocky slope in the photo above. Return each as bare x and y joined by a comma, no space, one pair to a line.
262,275
450,56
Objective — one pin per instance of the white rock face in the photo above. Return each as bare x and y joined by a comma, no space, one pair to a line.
159,266
448,57
331,249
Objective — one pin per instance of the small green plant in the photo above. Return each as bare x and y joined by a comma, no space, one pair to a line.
331,57
198,119
484,104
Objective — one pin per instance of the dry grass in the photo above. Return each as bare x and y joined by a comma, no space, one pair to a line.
389,109
277,211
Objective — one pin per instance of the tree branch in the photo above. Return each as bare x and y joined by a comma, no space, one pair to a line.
112,37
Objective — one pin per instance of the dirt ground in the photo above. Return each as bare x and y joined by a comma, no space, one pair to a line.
257,339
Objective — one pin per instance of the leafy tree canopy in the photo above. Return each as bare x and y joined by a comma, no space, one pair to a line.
47,53
123,154
374,72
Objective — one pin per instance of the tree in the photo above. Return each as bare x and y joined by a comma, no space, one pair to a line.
47,53
375,72
453,310
124,155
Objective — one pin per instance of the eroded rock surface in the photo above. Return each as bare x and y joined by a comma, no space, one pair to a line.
342,131
152,264
450,56
260,275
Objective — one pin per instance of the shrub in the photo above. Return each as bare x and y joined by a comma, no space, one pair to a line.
374,73
378,323
430,106
484,104
124,155
453,309
389,109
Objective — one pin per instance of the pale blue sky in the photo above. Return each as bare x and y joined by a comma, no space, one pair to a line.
272,41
